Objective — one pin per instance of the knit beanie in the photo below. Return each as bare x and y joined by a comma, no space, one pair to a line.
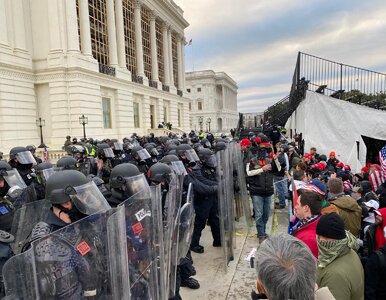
331,226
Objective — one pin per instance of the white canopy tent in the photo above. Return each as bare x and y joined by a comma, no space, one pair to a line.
331,124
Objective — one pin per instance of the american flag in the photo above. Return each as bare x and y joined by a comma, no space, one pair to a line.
46,157
382,160
188,43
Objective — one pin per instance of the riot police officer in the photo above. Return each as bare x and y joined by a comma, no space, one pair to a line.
32,149
23,160
120,190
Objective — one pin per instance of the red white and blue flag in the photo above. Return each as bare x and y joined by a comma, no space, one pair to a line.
382,160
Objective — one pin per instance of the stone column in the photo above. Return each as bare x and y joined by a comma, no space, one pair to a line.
146,113
166,54
153,45
138,38
3,24
179,64
72,26
171,77
84,21
112,36
120,34
183,64
18,25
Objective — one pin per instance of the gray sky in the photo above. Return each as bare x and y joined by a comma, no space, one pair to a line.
256,41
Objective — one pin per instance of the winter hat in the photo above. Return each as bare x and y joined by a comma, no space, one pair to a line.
245,143
331,226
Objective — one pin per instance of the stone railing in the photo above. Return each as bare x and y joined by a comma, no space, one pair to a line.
53,155
165,131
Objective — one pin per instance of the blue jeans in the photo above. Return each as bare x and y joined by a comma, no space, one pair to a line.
262,207
281,189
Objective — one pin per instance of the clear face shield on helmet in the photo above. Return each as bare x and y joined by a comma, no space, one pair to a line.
143,154
207,144
133,187
211,161
45,174
108,152
13,178
191,155
25,158
87,198
118,146
178,167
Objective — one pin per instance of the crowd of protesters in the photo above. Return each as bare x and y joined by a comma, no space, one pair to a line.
339,215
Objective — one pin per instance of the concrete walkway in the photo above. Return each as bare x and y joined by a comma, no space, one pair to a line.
239,279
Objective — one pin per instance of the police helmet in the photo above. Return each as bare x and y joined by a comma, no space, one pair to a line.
119,172
220,146
59,186
31,148
67,163
160,172
181,149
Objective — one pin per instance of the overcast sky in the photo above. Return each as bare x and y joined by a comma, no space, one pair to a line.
256,41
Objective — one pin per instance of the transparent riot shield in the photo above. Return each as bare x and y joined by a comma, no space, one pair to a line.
25,220
241,192
84,259
171,223
158,241
141,215
186,225
225,203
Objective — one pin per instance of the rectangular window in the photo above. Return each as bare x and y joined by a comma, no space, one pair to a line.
179,117
199,105
190,106
160,56
98,31
106,106
145,25
188,90
136,114
129,29
199,90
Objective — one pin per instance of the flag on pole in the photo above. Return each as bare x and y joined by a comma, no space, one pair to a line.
188,43
382,160
46,157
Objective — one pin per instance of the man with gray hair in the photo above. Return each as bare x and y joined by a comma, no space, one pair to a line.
286,269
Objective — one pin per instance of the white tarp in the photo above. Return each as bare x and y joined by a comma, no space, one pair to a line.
331,124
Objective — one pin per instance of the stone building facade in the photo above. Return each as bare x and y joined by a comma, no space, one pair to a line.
213,101
120,63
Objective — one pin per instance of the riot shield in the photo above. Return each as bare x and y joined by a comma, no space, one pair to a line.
242,197
141,215
225,203
171,223
158,241
24,221
84,259
186,225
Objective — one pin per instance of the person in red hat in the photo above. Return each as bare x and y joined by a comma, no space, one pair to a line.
332,161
